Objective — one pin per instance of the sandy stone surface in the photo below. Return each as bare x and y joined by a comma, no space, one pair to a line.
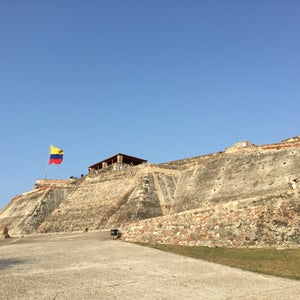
91,266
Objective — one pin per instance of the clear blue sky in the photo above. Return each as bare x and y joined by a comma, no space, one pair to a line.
160,80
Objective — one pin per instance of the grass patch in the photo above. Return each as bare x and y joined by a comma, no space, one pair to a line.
283,263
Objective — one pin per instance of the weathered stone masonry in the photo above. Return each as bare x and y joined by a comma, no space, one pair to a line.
266,222
246,196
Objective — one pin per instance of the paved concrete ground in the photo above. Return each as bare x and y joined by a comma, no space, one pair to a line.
91,266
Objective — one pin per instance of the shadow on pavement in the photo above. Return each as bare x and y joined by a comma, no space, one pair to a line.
9,263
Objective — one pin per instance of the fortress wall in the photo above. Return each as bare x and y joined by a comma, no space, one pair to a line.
91,203
52,182
25,214
271,221
222,186
186,163
237,175
113,197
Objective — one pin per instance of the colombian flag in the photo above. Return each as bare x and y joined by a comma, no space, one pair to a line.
56,155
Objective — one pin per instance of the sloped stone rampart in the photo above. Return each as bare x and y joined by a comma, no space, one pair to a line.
25,213
237,175
272,221
114,197
248,181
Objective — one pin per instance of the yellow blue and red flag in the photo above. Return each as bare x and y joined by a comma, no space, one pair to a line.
56,155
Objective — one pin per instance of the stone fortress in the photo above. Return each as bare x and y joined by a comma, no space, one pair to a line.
245,196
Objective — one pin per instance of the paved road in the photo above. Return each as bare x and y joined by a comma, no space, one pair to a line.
91,266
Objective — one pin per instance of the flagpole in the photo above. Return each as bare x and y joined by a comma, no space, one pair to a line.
46,173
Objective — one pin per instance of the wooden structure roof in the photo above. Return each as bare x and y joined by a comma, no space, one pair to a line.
118,158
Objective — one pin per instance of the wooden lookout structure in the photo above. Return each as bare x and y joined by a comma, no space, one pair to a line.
117,161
